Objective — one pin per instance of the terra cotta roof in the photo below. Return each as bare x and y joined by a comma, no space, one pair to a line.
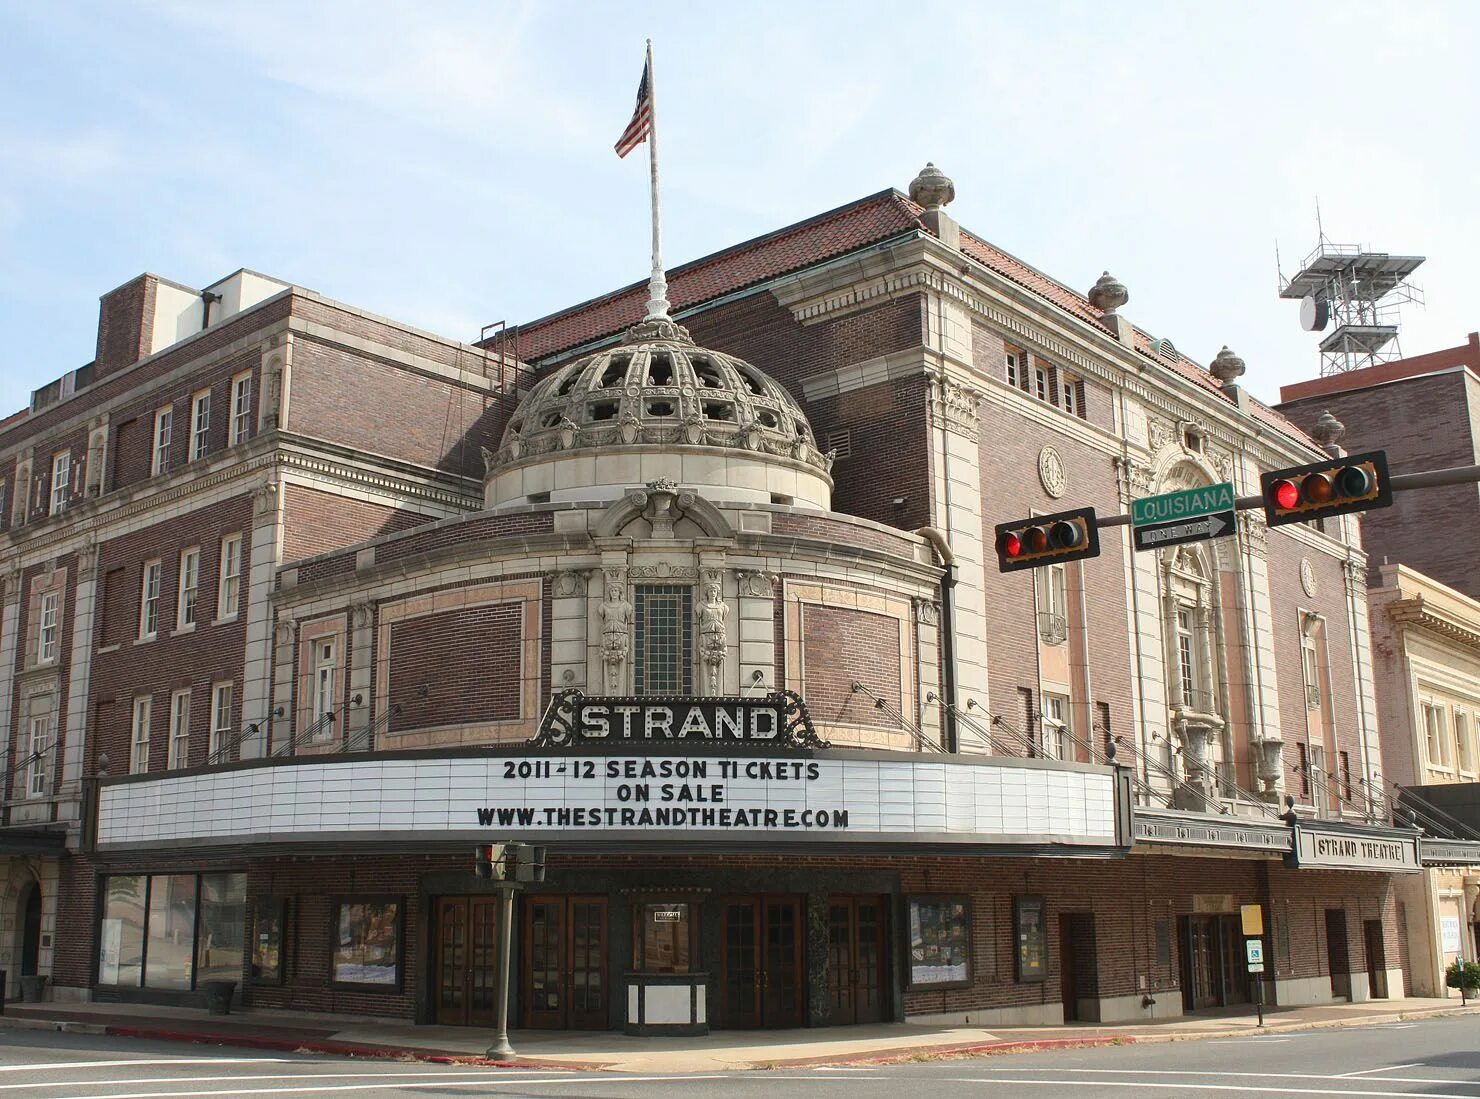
867,221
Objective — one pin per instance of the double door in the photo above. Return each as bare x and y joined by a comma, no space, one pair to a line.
564,963
761,971
856,935
466,957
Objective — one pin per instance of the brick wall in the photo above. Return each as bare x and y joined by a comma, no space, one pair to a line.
125,324
124,668
317,522
840,646
471,658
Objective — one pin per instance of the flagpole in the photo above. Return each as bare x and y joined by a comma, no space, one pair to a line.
657,307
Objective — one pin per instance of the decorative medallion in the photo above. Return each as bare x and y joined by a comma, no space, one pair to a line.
1308,577
1051,472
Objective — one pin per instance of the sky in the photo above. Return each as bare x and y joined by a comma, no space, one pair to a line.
450,165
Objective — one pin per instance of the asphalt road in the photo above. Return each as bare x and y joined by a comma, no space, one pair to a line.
1438,1058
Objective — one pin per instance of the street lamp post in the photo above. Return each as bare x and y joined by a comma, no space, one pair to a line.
507,864
501,1050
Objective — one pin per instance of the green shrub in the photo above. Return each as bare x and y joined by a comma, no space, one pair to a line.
1463,974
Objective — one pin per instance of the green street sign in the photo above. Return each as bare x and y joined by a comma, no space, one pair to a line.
1188,504
1192,515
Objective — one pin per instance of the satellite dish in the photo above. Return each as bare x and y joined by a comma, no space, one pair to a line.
1314,313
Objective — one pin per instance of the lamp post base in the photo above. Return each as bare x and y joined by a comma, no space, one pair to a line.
500,1050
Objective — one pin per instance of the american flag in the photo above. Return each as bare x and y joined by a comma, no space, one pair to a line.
642,117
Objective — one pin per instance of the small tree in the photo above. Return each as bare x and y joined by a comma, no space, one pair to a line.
1464,976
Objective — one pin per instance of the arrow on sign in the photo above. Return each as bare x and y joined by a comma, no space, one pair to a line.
1218,525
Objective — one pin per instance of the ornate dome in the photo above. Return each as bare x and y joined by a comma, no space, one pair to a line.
657,391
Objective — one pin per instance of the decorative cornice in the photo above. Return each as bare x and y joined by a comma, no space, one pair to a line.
1416,611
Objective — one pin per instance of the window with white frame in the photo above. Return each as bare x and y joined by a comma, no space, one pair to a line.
1053,604
228,597
241,408
1013,364
1058,741
1070,387
200,424
325,677
1434,737
61,480
189,588
1320,779
48,627
164,430
38,757
220,718
179,730
138,759
1311,670
1186,658
1464,741
149,600
1040,382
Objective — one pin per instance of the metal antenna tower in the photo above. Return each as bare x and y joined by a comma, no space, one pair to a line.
1356,293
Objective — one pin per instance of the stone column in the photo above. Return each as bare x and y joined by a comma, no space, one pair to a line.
1360,638
79,678
356,730
266,541
569,631
756,599
10,641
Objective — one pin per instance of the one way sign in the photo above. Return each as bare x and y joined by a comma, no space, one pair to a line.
1192,515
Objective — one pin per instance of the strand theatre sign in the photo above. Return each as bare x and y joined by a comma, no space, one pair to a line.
601,771
1331,846
1192,515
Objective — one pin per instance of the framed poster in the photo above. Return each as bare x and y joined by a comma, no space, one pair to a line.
365,943
940,942
1030,935
269,933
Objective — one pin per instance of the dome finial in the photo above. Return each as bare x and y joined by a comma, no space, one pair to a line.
932,188
1108,294
1226,366
1327,430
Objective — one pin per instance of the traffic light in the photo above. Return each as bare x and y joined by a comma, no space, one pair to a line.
1047,540
531,866
488,861
1335,486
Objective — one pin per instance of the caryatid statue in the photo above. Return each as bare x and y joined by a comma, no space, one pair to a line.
713,644
616,634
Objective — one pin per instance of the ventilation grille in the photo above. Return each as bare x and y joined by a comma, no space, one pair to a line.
841,444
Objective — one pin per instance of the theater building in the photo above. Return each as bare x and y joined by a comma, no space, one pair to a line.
301,604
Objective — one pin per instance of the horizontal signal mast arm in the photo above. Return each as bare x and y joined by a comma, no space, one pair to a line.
1400,482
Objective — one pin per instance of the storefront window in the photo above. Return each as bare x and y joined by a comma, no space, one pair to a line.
121,942
220,945
367,942
664,938
269,924
940,941
170,956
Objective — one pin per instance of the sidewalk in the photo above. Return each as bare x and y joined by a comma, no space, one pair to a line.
722,1050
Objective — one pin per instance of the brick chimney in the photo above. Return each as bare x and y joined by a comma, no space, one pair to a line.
125,324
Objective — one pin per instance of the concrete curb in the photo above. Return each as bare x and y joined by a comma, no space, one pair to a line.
1003,1047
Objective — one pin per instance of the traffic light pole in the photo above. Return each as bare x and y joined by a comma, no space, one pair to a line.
1400,482
501,1050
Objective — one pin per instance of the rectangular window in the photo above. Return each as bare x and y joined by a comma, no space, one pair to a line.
1185,662
366,950
138,760
48,627
325,675
1311,670
1346,775
179,730
228,598
1058,741
189,588
121,936
149,600
940,941
220,719
1434,732
269,925
1040,383
1320,779
1053,604
1303,762
1030,934
169,949
1013,364
665,937
200,424
1464,745
61,480
221,945
38,757
241,408
1071,394
663,639
164,430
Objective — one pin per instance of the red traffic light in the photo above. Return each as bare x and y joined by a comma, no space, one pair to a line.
1335,486
1046,539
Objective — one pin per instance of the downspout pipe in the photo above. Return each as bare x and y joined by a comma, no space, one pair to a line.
942,549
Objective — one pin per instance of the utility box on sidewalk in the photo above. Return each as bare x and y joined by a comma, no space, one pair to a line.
218,996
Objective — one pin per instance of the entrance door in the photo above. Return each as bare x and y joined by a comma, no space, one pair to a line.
1232,956
466,960
761,962
1201,966
855,959
1376,959
1336,953
565,963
